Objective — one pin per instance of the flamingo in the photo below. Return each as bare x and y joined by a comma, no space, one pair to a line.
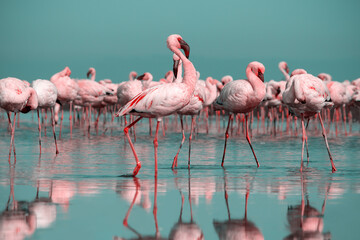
338,97
47,96
16,96
306,95
67,91
243,96
164,99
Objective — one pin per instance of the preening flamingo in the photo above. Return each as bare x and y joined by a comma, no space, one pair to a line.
47,96
16,96
306,95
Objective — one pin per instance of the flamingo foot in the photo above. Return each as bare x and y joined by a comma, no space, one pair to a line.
125,222
334,169
137,169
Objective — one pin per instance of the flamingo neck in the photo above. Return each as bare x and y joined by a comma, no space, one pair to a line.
256,83
93,74
286,75
189,70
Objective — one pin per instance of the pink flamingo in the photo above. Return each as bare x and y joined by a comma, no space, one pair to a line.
16,96
47,96
164,99
243,96
338,97
306,95
67,91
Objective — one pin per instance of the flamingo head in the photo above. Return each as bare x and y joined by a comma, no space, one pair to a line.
175,40
226,79
145,77
67,71
132,75
91,72
258,69
283,65
325,77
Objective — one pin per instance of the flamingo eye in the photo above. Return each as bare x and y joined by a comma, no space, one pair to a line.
179,39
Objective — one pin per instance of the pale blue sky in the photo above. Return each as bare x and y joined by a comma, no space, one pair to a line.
39,38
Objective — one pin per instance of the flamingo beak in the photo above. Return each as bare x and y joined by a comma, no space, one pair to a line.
287,69
261,75
141,77
175,68
185,47
88,74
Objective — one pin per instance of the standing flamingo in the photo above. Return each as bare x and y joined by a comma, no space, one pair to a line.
67,91
47,95
164,99
243,96
16,96
306,95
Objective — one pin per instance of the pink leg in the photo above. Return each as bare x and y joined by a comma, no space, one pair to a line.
226,138
53,128
175,163
61,120
156,208
327,145
125,221
126,131
304,138
248,139
12,139
344,118
9,120
156,144
38,114
70,118
193,119
306,142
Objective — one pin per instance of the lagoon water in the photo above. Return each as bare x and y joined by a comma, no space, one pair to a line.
82,193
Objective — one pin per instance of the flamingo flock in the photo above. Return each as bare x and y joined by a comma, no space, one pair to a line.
301,95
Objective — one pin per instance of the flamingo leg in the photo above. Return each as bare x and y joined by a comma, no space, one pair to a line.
327,145
137,185
248,139
155,208
12,139
306,142
70,118
9,120
61,120
304,138
175,163
126,131
38,114
156,144
226,138
344,118
193,119
53,128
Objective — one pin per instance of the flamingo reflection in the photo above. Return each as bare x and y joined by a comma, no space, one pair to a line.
155,208
16,221
305,221
237,228
186,230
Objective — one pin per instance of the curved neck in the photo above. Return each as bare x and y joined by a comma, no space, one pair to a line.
286,75
93,74
189,69
255,81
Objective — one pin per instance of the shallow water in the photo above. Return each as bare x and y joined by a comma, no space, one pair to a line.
82,193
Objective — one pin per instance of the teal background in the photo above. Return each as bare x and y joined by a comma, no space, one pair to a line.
39,38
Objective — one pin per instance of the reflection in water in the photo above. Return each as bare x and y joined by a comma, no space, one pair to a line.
16,221
186,230
237,228
305,221
155,208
